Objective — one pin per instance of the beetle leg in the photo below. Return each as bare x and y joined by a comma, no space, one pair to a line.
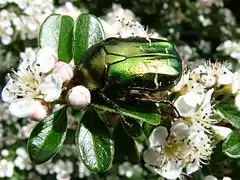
115,106
165,102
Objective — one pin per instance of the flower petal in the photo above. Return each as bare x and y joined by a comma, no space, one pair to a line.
51,88
186,104
152,157
226,77
207,97
40,111
223,132
158,137
63,71
192,167
46,59
8,94
180,129
170,170
21,107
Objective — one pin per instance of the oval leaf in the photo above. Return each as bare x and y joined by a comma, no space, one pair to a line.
87,32
231,146
147,112
47,137
56,32
94,143
229,112
125,146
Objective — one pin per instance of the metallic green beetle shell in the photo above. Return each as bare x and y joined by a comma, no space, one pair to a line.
131,63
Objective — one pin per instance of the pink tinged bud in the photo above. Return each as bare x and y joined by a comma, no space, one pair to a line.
63,70
79,97
39,112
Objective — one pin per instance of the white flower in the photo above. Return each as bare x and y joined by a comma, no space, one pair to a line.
45,168
24,131
63,169
128,170
211,74
237,101
82,170
196,108
185,52
6,168
22,160
230,48
79,97
185,147
4,152
204,20
33,81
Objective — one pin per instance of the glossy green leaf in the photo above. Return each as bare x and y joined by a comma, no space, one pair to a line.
231,146
132,127
229,112
57,32
94,143
87,32
125,146
147,129
151,116
47,137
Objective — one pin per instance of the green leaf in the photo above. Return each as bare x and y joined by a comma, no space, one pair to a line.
47,137
147,129
56,32
125,147
229,112
94,143
150,115
132,127
231,146
87,32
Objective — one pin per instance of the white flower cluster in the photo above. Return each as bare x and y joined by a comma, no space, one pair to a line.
205,5
6,29
63,169
128,170
6,168
230,48
69,9
38,82
188,143
25,24
121,22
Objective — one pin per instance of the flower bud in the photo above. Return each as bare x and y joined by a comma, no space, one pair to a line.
79,97
39,112
63,70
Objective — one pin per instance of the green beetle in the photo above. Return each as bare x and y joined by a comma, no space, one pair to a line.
129,67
